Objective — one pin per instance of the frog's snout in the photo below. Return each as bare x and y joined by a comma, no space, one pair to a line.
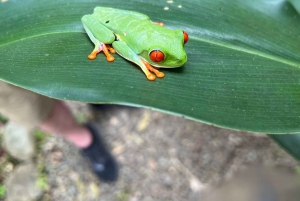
182,60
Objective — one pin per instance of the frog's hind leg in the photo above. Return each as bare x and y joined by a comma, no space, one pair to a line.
111,49
100,36
99,46
122,48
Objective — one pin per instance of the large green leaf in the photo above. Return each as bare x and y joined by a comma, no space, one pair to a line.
296,4
242,70
290,143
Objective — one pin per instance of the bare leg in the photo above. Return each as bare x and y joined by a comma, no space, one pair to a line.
87,138
61,122
32,110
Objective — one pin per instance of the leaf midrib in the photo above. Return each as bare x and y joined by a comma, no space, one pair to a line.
256,53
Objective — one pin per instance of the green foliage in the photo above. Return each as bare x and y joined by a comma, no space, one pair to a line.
123,195
40,136
297,169
296,4
3,119
2,191
42,180
242,70
289,142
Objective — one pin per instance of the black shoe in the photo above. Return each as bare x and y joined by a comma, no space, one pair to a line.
100,107
104,106
102,162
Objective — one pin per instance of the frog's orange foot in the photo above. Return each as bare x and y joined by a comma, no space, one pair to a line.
93,55
111,49
152,69
159,24
151,77
104,48
160,74
110,58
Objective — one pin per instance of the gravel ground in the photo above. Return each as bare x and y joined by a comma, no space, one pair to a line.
162,157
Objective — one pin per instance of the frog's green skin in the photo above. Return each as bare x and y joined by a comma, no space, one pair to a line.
134,36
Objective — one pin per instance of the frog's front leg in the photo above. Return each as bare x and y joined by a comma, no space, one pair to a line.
154,70
125,51
100,36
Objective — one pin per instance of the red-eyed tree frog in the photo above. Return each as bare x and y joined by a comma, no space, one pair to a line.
136,38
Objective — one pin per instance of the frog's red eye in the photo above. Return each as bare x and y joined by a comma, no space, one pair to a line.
157,55
186,37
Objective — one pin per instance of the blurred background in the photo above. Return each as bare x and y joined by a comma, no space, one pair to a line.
162,157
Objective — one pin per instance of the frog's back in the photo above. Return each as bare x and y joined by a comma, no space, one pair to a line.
135,28
105,14
120,21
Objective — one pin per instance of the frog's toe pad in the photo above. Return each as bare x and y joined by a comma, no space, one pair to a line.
110,58
92,56
160,74
151,77
112,50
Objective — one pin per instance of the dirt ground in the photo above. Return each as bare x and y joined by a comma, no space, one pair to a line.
162,157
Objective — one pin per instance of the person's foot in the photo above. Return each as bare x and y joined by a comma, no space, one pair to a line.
102,162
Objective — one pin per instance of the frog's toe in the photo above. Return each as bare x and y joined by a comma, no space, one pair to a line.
151,77
152,69
105,49
160,74
92,55
111,50
110,58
